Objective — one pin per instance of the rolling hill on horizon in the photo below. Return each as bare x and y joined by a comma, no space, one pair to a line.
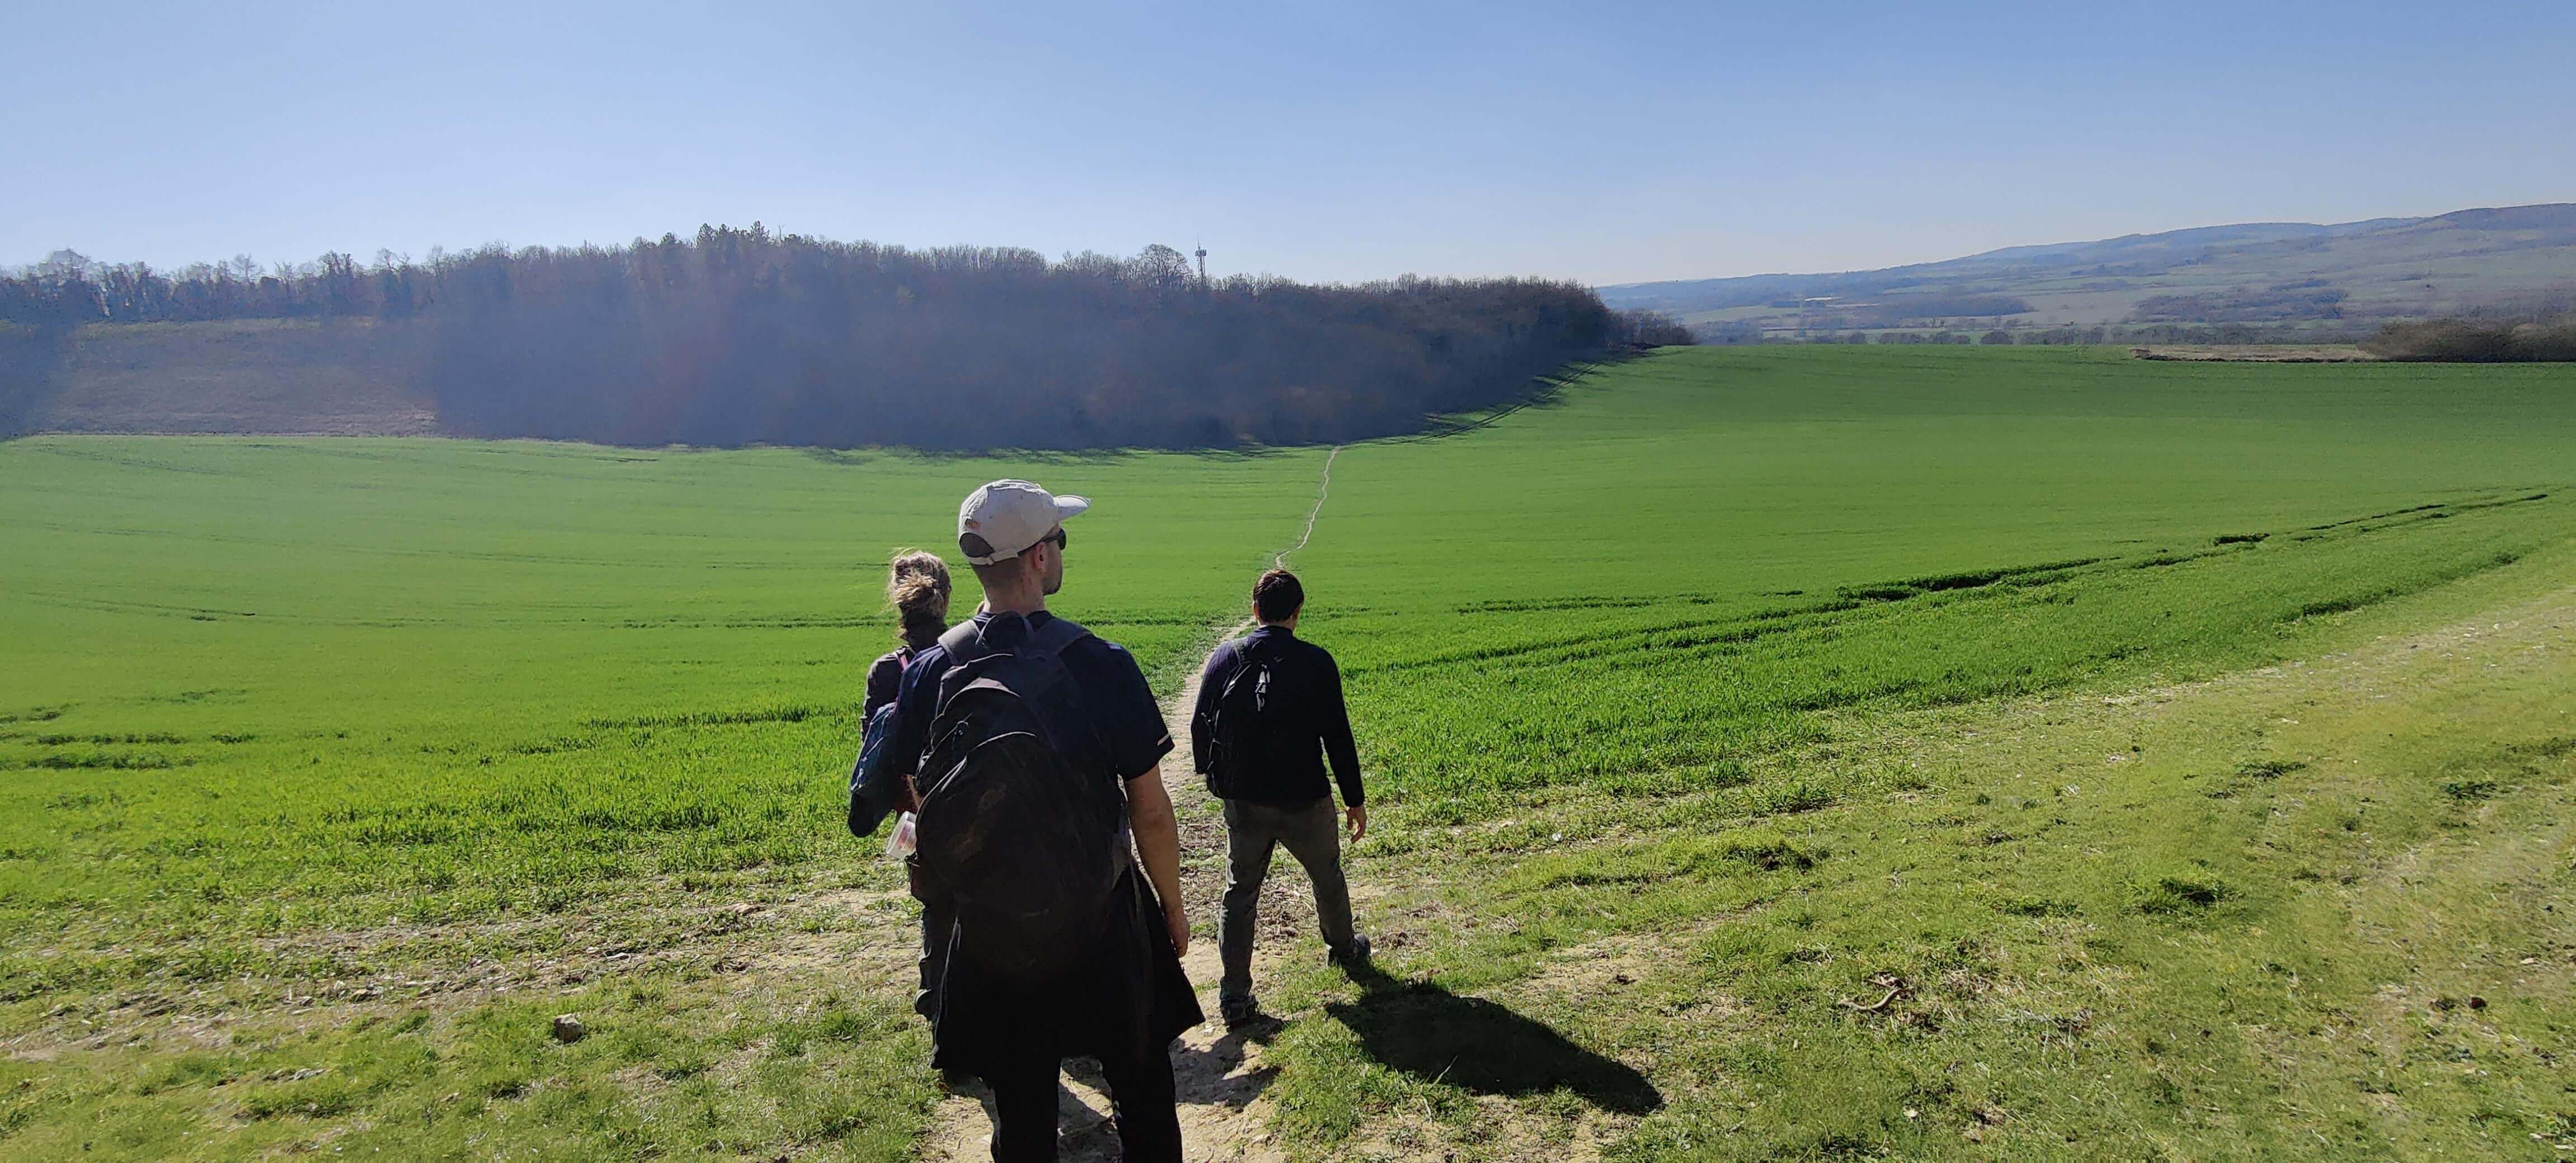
2325,277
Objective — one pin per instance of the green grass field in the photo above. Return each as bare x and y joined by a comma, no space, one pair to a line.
1716,541
1748,679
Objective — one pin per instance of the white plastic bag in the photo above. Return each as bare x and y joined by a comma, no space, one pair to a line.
899,842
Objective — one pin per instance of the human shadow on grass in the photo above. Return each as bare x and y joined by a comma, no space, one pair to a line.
1481,1046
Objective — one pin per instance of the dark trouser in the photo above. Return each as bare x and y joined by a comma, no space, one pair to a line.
1313,835
1140,1096
938,916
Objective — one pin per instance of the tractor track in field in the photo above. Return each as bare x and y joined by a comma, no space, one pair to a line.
1218,1074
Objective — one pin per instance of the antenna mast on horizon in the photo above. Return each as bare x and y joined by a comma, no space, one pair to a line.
1202,253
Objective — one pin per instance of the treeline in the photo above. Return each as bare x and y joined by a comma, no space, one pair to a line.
738,336
2476,341
2305,299
69,289
1654,329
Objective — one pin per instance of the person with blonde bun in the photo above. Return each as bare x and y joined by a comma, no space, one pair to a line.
917,586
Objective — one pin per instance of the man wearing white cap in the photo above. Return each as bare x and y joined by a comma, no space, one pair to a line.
1121,997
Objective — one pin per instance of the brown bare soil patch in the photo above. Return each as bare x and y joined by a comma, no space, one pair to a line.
257,376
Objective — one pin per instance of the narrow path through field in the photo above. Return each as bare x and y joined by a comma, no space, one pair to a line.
1219,1076
1323,489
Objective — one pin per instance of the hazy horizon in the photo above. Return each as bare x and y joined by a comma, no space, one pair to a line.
1330,144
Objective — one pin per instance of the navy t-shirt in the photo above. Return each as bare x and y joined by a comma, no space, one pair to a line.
1126,736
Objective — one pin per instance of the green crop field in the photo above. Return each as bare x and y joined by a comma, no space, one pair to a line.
1782,752
1716,538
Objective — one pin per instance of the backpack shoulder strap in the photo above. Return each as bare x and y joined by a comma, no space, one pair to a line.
1058,635
964,641
1250,651
1250,655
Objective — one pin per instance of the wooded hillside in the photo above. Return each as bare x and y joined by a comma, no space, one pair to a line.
739,336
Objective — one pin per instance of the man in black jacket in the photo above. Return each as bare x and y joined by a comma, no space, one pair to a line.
1269,710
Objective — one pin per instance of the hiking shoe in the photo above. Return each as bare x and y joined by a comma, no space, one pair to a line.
1240,1011
1357,954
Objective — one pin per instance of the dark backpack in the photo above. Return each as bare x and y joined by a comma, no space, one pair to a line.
1239,729
871,793
1028,842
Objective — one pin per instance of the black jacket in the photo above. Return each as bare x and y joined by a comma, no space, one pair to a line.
1311,722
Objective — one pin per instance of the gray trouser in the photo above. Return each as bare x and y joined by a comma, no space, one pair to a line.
1313,835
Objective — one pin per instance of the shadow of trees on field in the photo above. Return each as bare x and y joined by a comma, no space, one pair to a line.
1481,1046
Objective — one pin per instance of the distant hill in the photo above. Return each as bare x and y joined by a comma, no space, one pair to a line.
2343,277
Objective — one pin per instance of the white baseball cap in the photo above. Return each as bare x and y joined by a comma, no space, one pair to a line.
1001,519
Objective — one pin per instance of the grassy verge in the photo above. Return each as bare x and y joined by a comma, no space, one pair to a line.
679,1062
2299,911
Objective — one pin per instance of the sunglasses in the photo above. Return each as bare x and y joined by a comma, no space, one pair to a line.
1058,537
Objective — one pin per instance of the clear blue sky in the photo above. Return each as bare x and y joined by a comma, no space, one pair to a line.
1606,142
